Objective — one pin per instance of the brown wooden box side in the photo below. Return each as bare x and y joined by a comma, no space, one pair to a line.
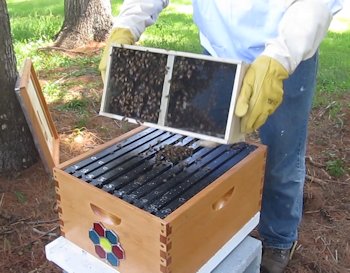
138,231
200,228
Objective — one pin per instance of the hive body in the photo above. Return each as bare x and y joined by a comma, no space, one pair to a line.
161,227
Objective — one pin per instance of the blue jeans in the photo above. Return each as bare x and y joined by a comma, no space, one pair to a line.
285,134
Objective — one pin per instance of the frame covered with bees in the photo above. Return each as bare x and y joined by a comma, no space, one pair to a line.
186,93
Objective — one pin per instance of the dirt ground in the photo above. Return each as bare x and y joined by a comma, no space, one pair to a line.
28,214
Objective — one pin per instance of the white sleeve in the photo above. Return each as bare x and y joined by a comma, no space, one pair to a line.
301,30
136,15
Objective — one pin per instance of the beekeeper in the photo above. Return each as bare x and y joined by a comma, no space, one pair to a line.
280,40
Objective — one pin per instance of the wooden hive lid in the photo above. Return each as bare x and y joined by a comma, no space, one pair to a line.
35,109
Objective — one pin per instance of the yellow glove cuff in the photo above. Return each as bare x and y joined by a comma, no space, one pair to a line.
117,36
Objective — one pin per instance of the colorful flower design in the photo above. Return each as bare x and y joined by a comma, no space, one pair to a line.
107,244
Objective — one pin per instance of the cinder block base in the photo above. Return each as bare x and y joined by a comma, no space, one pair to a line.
73,259
245,258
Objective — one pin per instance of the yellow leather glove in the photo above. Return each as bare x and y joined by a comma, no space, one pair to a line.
117,36
261,92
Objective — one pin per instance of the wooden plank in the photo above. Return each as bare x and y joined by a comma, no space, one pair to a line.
138,231
216,214
38,116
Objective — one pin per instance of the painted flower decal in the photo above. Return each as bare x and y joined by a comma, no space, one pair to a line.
107,244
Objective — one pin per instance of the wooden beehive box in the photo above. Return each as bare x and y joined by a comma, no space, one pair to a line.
181,92
171,233
151,240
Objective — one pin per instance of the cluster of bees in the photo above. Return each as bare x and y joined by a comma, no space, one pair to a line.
190,77
173,154
136,83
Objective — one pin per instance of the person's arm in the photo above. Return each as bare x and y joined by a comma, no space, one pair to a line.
136,15
301,30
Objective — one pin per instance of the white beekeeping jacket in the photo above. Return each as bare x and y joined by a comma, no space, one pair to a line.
288,30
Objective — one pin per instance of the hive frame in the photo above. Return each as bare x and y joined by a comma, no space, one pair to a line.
232,131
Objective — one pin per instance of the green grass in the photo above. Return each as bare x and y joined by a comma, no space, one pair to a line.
333,76
53,92
334,69
21,197
174,29
75,104
336,167
81,123
34,24
37,20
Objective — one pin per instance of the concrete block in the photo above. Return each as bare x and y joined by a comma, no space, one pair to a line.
245,258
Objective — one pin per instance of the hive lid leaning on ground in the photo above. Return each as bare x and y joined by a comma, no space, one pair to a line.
38,117
185,93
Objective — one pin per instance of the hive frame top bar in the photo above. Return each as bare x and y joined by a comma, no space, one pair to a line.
231,132
177,53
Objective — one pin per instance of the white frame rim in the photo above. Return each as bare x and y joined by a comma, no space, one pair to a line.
231,133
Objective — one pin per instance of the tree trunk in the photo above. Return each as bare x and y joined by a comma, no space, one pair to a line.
84,21
17,149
